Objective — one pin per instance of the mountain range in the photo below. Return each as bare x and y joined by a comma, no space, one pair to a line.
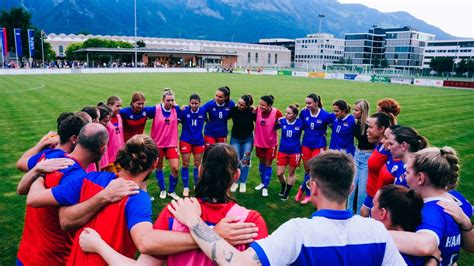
225,20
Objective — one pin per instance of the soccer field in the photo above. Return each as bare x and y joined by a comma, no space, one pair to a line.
32,103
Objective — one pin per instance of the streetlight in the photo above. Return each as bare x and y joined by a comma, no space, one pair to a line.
320,16
42,47
135,14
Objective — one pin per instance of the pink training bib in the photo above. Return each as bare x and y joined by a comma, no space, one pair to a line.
265,133
116,140
197,257
164,130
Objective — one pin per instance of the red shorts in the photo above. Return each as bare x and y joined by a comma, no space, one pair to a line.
266,153
211,140
169,153
185,147
309,153
284,159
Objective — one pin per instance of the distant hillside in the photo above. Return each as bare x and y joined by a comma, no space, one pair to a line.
238,20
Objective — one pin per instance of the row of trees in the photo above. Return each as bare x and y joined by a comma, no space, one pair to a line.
447,65
20,18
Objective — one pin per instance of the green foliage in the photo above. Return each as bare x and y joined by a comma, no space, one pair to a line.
442,64
141,44
443,115
20,18
74,56
101,43
384,63
465,66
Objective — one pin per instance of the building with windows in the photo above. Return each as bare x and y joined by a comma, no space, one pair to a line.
317,50
185,52
456,49
288,43
400,48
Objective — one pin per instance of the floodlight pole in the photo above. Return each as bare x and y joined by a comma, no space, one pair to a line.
42,47
135,44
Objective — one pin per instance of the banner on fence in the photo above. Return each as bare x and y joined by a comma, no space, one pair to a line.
428,82
350,76
320,75
402,80
376,78
458,84
284,72
299,74
362,78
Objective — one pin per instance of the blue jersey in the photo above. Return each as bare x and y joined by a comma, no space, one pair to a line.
216,125
465,205
192,125
342,136
290,136
413,261
315,128
47,153
398,170
443,227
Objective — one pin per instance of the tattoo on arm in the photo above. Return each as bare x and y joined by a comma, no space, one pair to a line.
213,252
229,258
205,233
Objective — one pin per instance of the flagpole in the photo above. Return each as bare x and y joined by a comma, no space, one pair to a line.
42,48
16,49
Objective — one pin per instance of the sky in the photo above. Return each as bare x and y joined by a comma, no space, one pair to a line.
455,17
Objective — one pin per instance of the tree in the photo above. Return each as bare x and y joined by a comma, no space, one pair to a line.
20,18
465,66
71,48
442,64
141,43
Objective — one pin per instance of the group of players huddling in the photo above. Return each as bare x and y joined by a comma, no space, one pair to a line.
87,202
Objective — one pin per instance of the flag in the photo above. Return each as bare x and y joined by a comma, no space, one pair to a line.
31,42
4,40
18,49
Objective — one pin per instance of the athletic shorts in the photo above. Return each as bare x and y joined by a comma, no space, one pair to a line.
211,140
266,153
169,153
309,153
185,147
284,159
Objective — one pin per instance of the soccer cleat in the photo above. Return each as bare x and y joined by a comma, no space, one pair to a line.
282,191
264,192
259,187
152,198
305,200
173,195
284,197
186,192
243,188
299,194
233,188
163,194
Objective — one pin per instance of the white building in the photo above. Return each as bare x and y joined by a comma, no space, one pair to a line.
316,50
456,49
248,55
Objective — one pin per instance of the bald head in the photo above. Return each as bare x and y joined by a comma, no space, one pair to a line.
93,137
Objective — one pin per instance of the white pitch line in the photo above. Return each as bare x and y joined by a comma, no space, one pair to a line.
29,89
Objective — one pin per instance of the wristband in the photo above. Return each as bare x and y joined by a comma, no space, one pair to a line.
438,262
466,230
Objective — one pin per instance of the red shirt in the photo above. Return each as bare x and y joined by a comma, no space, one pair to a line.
377,160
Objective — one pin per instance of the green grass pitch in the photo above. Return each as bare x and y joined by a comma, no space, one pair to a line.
30,105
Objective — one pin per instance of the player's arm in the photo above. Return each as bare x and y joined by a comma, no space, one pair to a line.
164,242
416,244
47,140
91,242
464,222
75,216
211,244
39,196
46,166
